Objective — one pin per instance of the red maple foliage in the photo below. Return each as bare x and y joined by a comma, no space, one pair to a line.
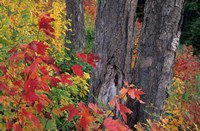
30,75
91,59
77,69
44,24
115,125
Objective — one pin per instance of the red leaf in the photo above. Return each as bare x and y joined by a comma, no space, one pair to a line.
54,81
17,83
48,59
91,59
30,97
56,69
135,93
30,85
32,68
39,107
3,69
41,48
82,56
8,125
123,110
17,127
94,107
28,58
65,79
33,45
86,118
115,125
44,71
3,86
77,69
48,33
13,50
44,23
71,110
38,47
17,57
35,121
43,85
44,100
44,20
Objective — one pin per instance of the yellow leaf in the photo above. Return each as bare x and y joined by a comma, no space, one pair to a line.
110,112
57,112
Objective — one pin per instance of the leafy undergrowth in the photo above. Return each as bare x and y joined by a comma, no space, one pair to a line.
182,109
18,21
36,95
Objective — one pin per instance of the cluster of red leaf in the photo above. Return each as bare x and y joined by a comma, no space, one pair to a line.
88,115
91,59
186,65
44,24
186,68
25,75
27,79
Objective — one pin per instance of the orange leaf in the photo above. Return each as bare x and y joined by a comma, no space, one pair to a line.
86,118
123,92
71,110
112,102
115,125
135,93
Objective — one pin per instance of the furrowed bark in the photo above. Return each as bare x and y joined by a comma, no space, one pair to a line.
153,71
114,38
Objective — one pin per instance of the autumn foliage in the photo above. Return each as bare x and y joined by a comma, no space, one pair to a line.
28,78
90,11
183,105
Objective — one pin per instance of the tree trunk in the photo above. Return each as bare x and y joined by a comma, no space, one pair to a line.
76,34
114,38
153,71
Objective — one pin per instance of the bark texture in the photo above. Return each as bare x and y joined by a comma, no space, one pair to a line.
113,43
153,71
75,13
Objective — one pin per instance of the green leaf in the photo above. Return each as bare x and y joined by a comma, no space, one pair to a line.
1,73
185,97
50,124
7,22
